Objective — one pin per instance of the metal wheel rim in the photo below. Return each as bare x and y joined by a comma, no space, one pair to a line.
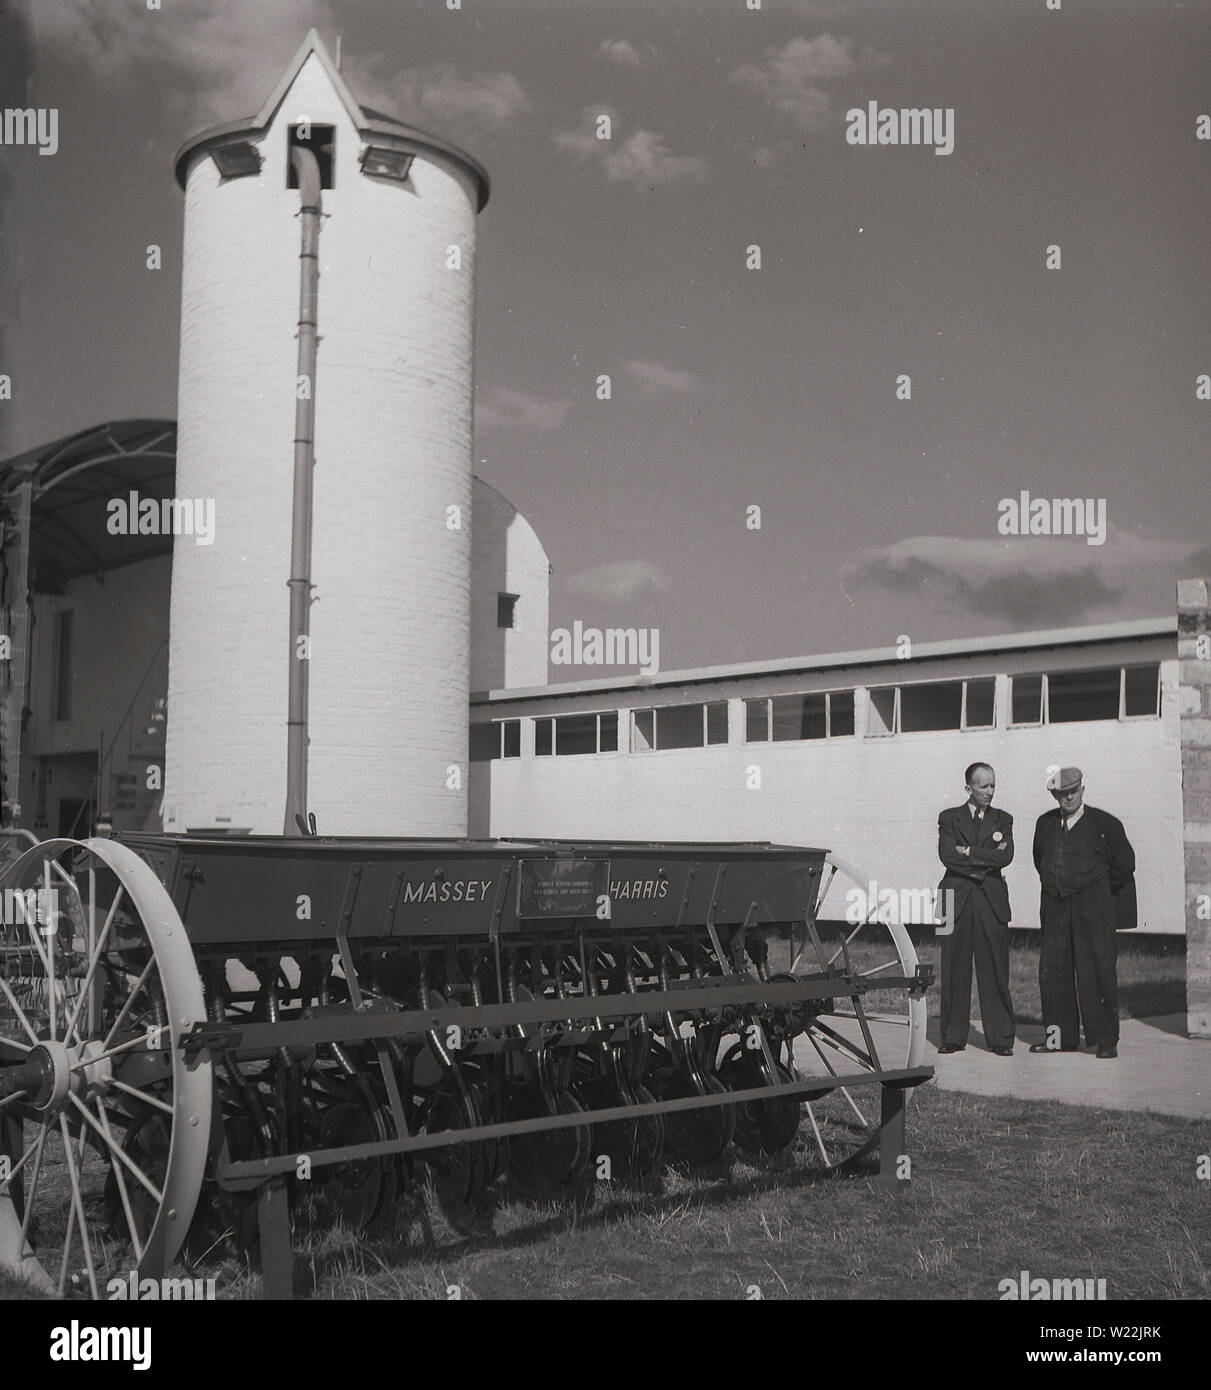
141,895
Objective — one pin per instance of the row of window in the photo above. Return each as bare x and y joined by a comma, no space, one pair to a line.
1065,697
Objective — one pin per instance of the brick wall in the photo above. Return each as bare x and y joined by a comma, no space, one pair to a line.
1194,663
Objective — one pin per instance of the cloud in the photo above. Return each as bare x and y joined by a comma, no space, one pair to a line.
215,60
448,98
1027,581
505,409
657,379
642,158
620,582
791,80
627,54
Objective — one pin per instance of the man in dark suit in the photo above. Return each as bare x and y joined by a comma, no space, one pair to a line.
975,842
1087,868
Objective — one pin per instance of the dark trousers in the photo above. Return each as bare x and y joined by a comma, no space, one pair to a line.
1079,961
977,933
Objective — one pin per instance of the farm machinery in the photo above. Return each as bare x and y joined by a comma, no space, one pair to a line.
194,1028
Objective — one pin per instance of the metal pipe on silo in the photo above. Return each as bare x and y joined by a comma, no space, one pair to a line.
307,171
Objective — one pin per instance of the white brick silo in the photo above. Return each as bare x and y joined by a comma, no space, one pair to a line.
393,394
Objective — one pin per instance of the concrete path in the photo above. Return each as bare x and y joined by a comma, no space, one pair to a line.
1158,1068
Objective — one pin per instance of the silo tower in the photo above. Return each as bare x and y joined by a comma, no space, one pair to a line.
376,362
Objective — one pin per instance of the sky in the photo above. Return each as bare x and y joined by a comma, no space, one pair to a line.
733,387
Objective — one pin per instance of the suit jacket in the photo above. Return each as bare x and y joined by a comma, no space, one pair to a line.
981,869
1116,850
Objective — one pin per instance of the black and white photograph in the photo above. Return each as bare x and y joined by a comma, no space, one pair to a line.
605,663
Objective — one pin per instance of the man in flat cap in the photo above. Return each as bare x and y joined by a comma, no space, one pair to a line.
975,842
1087,868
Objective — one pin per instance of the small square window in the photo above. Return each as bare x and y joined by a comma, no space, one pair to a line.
643,730
543,737
609,732
321,141
1026,700
716,721
981,704
881,712
512,738
756,721
1141,693
841,714
506,610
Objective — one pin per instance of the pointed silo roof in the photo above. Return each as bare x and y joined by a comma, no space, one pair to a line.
371,125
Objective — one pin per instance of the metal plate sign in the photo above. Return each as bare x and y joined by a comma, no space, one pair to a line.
561,887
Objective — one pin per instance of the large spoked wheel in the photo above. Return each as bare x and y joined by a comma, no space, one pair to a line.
886,1033
105,1125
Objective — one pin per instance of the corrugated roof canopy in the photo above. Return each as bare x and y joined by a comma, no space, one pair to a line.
74,479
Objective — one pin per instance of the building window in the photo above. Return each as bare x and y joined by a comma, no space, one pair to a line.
321,141
1141,692
571,735
1026,700
499,739
881,711
1075,696
756,721
506,609
63,659
679,726
926,708
794,718
932,707
979,703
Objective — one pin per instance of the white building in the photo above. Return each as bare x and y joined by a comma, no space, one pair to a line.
856,752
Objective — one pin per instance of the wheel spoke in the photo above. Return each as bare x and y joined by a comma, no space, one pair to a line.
843,1044
145,1096
94,958
25,1157
811,1115
16,1095
853,1106
78,1203
820,1051
140,1041
134,994
18,1012
879,969
116,1149
121,1181
31,1190
866,922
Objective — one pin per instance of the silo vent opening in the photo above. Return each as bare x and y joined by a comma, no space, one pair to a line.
321,141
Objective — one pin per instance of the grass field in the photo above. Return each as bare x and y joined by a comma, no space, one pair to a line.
999,1185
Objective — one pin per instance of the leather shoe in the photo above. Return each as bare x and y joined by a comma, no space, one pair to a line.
1107,1050
1003,1051
951,1047
1042,1047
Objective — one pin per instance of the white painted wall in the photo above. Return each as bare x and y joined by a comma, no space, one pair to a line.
874,801
506,557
